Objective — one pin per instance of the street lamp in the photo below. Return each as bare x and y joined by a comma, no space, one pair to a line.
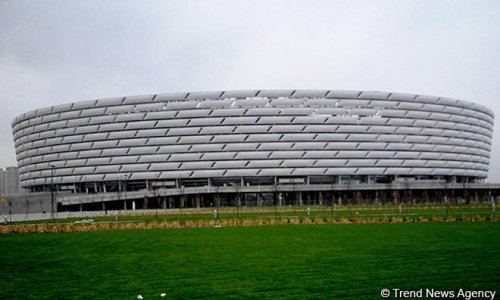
52,168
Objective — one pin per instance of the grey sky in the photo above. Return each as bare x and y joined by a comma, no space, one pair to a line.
54,52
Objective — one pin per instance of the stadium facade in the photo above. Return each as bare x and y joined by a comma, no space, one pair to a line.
295,142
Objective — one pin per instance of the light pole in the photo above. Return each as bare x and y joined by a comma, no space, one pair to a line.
52,167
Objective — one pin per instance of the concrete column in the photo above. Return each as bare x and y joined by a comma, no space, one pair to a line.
133,204
81,207
125,204
182,201
164,202
299,198
197,201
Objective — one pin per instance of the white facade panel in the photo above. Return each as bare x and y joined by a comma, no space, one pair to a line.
370,129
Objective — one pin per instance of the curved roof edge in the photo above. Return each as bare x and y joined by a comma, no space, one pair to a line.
198,95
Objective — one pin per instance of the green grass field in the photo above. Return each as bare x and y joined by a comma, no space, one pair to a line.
352,261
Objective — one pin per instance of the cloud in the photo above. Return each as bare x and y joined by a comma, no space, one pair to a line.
53,52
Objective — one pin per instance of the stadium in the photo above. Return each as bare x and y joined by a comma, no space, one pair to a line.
255,148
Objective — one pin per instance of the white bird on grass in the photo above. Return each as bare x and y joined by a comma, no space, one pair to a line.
163,294
140,297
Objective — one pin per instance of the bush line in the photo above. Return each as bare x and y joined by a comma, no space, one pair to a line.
72,227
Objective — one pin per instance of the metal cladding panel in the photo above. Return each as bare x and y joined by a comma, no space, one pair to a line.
232,164
298,163
343,94
184,131
138,99
241,147
217,129
372,146
266,111
374,95
193,113
169,97
195,139
414,163
381,154
370,171
286,102
143,150
374,120
297,137
275,146
132,143
173,149
341,146
331,137
352,128
422,147
321,128
276,172
149,107
228,112
152,158
309,146
320,154
240,94
196,165
215,103
252,103
397,171
242,172
231,138
361,162
160,115
151,132
308,171
206,122
252,129
164,166
341,171
87,129
240,120
275,120
407,155
264,138
140,125
310,120
208,173
267,163
331,163
108,169
92,178
185,157
93,112
400,122
207,147
430,155
119,109
253,155
362,137
175,174
352,154
218,156
134,168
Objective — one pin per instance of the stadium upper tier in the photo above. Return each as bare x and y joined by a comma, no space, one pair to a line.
261,133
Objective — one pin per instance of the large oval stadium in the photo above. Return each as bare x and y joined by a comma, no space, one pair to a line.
252,141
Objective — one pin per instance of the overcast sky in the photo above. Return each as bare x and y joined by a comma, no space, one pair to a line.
54,52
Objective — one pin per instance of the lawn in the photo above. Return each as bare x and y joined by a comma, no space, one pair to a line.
353,261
